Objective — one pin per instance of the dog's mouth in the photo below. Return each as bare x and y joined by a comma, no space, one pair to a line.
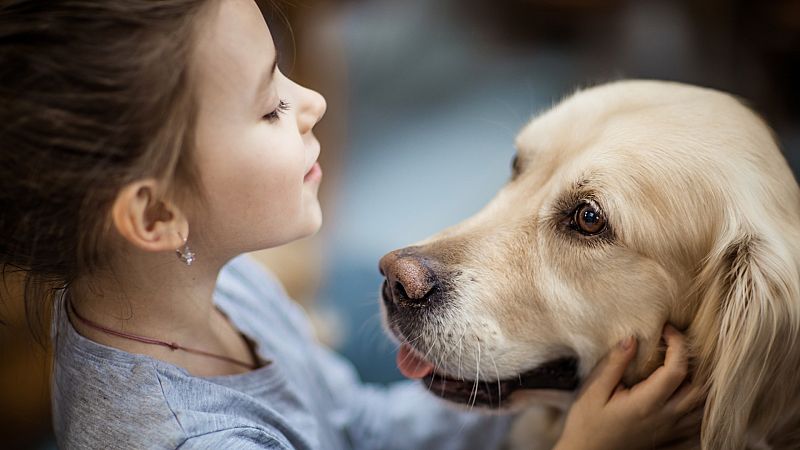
558,374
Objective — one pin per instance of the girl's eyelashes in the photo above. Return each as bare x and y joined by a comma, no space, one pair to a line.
283,106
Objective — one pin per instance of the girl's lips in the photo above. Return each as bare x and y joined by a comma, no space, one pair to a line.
315,173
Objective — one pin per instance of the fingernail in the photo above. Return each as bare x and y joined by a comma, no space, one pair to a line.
626,343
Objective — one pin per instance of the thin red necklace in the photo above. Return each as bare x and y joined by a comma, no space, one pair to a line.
146,340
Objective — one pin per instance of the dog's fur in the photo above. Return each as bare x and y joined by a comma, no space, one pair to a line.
703,231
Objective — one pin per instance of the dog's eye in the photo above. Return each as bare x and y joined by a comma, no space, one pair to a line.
589,219
515,167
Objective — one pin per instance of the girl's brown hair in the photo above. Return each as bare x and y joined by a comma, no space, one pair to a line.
93,95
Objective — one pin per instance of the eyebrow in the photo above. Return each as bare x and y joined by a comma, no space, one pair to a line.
579,190
267,77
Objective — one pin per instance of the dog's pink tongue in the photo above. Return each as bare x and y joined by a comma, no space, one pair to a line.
411,365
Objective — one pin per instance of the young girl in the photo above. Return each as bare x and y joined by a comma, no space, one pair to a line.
132,128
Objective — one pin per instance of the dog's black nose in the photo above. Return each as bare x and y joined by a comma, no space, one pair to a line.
410,279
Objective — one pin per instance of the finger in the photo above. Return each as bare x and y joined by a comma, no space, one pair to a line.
605,377
677,350
662,383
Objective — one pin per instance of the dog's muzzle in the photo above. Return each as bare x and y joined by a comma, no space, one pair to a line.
416,287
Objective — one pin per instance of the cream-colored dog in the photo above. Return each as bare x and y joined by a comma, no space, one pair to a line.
630,205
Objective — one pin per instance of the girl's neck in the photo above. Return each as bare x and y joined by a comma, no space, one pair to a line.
157,296
150,293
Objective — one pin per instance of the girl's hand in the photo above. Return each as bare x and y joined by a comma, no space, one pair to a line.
657,411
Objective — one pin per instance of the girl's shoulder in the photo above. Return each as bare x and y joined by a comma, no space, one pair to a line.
141,403
103,395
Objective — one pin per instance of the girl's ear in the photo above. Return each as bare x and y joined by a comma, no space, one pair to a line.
745,333
146,220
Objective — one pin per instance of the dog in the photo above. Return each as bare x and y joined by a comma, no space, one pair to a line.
629,204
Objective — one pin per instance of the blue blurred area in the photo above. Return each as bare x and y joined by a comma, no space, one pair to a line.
433,116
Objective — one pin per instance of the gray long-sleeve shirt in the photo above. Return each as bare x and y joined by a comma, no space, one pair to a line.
308,398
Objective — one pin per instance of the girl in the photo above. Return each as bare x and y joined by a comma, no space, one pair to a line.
132,128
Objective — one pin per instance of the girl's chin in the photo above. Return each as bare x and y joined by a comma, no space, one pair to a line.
306,226
312,230
313,223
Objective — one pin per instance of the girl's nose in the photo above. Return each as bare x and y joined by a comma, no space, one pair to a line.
312,108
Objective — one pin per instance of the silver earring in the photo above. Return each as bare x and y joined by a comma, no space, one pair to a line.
184,253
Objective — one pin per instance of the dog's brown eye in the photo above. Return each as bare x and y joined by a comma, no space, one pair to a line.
589,219
515,167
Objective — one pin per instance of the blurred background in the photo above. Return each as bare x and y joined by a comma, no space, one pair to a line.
425,98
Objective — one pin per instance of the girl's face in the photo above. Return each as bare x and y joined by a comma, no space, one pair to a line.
256,152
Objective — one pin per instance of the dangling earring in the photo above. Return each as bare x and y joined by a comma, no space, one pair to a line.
184,253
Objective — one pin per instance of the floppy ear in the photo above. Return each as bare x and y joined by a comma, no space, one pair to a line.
745,335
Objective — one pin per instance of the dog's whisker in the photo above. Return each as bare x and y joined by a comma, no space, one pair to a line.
368,299
370,321
376,316
475,385
428,353
446,344
436,366
414,341
488,391
497,374
460,348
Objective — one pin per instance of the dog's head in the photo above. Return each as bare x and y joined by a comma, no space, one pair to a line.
629,205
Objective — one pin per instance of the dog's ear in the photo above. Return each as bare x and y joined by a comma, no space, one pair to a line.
745,334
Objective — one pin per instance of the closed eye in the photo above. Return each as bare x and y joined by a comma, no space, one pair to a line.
283,106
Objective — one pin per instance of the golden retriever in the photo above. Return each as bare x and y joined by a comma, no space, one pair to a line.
629,205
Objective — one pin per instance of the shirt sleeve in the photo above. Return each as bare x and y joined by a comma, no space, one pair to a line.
404,415
239,438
